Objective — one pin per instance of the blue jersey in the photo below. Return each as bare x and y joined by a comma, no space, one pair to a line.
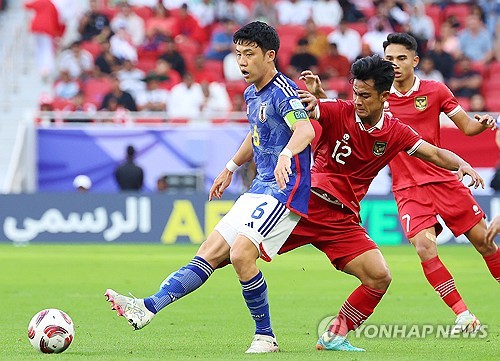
271,132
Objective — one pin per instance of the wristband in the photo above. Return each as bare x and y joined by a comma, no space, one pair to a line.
232,166
287,152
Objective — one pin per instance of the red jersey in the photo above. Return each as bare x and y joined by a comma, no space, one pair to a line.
420,108
348,155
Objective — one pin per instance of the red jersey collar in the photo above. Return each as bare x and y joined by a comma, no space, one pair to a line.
413,89
378,125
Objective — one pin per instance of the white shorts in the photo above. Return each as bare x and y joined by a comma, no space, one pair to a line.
262,219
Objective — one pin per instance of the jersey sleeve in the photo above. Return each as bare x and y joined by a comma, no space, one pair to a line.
290,107
328,109
448,102
410,139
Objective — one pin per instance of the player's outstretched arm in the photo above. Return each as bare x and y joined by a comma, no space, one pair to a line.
223,180
313,83
470,126
303,134
493,230
449,160
310,102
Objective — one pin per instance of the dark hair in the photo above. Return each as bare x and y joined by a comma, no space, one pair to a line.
404,39
374,67
130,151
258,32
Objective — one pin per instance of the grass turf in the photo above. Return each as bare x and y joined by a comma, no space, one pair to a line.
213,323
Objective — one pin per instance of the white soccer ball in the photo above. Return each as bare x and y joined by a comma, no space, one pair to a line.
51,331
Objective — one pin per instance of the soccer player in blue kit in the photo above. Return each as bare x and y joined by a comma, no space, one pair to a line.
261,219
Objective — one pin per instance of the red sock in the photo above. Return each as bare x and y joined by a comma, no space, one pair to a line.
356,309
493,263
442,281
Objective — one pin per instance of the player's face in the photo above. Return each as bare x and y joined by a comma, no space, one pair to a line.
367,101
404,60
256,65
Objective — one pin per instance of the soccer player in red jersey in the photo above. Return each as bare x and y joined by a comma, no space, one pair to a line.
358,139
422,190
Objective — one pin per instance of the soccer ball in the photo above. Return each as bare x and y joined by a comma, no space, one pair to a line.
51,331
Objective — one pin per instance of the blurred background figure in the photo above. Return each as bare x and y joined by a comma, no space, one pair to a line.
82,183
129,176
46,28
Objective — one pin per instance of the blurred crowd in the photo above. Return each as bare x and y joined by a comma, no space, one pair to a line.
176,56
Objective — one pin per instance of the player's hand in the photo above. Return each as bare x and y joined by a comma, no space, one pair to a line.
220,184
493,230
476,180
313,82
282,171
486,120
308,100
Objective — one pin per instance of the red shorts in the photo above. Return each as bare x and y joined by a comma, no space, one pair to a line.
331,229
418,207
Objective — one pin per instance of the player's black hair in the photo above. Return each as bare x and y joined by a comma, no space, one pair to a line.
376,68
404,39
258,32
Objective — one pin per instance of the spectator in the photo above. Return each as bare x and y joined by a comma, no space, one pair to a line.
189,26
353,9
131,78
348,40
477,104
200,72
466,81
204,12
221,41
334,65
233,10
426,70
133,23
376,37
173,56
106,62
491,11
293,12
164,70
231,68
78,104
66,87
121,43
476,42
77,61
302,60
443,61
449,37
265,11
216,102
93,22
421,25
318,41
380,21
162,25
82,183
129,175
118,98
153,98
186,99
45,27
327,13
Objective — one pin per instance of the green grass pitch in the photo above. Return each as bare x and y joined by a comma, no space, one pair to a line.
213,323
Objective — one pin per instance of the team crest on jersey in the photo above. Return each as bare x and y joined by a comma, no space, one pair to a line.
262,112
420,103
379,148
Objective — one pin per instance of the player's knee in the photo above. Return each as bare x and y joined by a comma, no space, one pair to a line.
214,252
379,279
426,249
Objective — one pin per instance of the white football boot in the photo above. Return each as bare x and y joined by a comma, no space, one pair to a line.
263,344
466,322
132,309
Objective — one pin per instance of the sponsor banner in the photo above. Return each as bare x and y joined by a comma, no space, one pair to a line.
166,218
